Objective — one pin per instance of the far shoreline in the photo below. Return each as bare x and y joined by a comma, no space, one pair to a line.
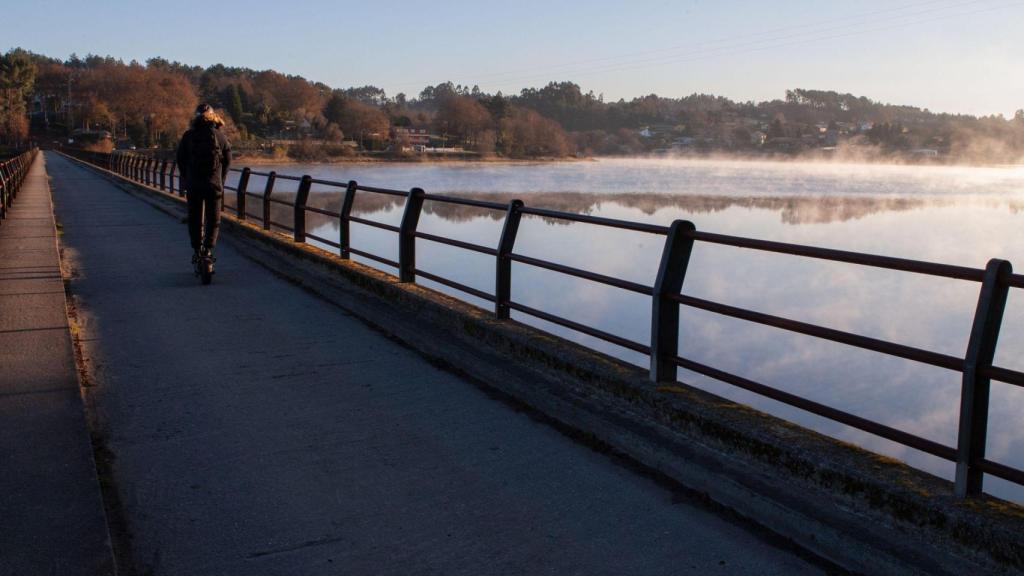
751,158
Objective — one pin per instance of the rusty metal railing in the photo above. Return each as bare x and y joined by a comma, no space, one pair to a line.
975,366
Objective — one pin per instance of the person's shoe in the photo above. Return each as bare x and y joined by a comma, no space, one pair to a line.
206,258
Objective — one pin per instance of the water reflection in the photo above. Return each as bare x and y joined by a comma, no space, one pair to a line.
935,314
791,209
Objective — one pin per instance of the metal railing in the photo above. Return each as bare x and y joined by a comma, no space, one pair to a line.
12,174
975,366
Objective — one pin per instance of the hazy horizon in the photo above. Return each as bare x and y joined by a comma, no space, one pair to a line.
951,56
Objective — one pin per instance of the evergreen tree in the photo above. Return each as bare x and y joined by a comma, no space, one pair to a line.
235,108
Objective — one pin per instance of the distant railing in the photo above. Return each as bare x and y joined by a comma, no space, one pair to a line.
975,366
12,174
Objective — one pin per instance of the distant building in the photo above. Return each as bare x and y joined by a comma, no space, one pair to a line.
785,144
86,137
846,127
413,136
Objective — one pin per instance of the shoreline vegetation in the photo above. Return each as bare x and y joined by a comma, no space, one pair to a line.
252,159
102,103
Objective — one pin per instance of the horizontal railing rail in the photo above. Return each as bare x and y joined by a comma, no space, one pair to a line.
12,175
975,366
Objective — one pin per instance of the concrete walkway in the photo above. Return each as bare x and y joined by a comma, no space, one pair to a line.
259,430
51,514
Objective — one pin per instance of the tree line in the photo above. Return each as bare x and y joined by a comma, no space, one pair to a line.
149,104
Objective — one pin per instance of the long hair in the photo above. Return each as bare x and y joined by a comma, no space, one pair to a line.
206,113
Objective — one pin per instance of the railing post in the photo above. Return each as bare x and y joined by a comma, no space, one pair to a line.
675,257
243,184
300,208
974,392
6,186
147,171
170,177
503,272
12,183
3,193
267,191
407,236
344,226
163,175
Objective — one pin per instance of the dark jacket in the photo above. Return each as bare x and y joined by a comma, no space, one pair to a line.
203,183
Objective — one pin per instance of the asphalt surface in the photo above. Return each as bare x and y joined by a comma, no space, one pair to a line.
51,515
257,429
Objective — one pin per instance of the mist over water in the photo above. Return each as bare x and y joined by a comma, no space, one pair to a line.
956,215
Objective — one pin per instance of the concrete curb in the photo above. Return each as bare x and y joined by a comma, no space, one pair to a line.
862,511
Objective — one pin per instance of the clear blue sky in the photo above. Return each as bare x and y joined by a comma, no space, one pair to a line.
947,55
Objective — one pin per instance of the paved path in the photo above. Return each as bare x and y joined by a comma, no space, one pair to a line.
260,430
51,513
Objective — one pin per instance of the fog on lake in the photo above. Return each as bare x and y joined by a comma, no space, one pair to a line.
955,215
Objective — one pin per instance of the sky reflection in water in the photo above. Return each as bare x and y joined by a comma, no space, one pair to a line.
944,214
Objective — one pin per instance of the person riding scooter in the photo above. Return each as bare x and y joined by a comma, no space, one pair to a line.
204,156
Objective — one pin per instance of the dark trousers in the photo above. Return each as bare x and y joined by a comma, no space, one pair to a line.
203,212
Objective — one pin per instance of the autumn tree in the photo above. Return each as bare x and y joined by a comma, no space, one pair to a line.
463,116
525,133
50,89
17,75
293,96
156,103
359,120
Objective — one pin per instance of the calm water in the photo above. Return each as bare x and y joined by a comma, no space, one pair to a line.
944,214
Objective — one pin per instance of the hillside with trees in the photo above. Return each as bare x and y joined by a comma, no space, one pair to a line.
104,102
